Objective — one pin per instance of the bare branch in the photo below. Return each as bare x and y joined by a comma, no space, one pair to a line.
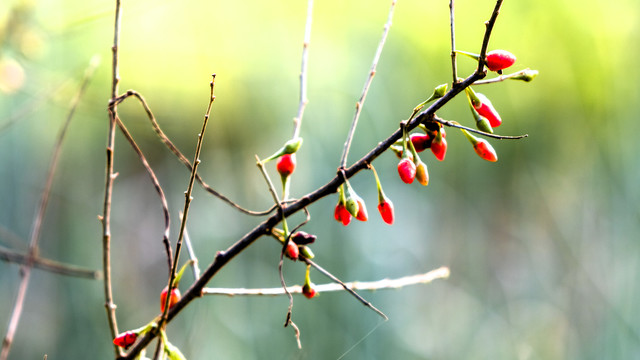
297,121
367,84
384,284
49,265
25,270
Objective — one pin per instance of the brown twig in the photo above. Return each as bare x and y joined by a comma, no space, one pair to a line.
495,136
110,176
501,78
297,121
452,22
367,84
25,269
187,201
384,284
156,186
48,265
183,159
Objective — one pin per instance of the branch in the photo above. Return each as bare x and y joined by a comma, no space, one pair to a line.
264,228
110,176
495,136
384,284
367,84
25,270
454,63
297,121
48,265
183,159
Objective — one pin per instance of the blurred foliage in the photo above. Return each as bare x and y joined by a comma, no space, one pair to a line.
543,245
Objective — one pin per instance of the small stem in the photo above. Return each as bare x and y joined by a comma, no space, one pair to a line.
192,254
487,35
500,137
344,286
188,199
501,78
48,265
367,85
384,284
454,63
297,121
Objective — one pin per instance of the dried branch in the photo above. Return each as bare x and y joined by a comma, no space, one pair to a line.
367,84
48,265
452,22
110,176
25,269
384,284
156,186
183,159
187,201
297,121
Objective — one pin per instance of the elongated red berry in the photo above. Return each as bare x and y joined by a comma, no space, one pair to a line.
286,164
292,251
499,59
362,210
407,170
342,215
386,211
439,147
485,150
308,291
422,175
125,339
173,298
420,141
487,110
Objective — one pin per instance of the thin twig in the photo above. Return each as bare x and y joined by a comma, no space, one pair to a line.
367,84
156,186
25,269
297,121
288,319
384,284
348,289
192,254
183,159
49,265
487,35
501,78
495,136
110,176
187,201
454,63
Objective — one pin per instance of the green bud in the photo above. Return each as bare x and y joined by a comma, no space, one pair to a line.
289,147
439,91
483,125
526,75
306,252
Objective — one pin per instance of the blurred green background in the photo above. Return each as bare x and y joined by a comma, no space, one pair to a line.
543,246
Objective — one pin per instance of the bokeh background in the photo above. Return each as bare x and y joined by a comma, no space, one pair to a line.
543,246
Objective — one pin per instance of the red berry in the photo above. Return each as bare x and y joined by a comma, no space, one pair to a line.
407,170
308,291
386,211
286,164
439,147
420,141
485,150
292,251
342,214
487,110
362,211
125,339
173,298
499,59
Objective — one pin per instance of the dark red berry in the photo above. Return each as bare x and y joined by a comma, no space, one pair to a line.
286,164
386,211
499,59
173,298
